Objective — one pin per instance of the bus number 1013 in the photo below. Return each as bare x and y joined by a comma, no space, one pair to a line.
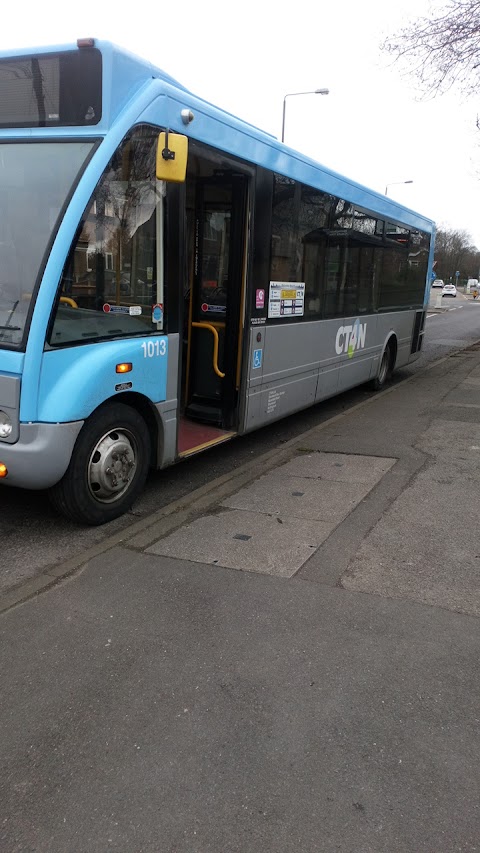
154,348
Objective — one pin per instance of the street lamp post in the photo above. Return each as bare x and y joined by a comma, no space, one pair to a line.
396,183
293,94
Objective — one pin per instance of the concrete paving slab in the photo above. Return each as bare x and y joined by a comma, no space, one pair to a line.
299,497
473,380
461,443
467,394
461,413
438,563
247,541
337,466
279,520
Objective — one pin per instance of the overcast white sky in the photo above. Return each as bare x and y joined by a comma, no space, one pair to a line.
246,56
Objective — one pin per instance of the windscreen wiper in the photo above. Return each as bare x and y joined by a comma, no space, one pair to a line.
12,312
8,326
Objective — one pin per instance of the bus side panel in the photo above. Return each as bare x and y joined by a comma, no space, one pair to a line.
296,365
401,323
291,367
75,381
361,348
282,372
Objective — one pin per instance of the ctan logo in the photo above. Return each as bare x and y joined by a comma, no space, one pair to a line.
351,338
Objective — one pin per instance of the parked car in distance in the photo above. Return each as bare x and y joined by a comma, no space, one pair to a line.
449,290
438,282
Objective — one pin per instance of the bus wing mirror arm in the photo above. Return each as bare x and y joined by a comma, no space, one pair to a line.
167,153
172,155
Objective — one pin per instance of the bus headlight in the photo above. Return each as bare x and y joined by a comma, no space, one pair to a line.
5,425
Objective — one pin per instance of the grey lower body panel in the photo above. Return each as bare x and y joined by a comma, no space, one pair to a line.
298,364
167,440
41,455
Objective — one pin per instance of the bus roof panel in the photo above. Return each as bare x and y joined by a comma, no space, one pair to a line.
126,75
221,130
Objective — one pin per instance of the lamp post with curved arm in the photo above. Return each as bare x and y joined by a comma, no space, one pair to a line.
293,94
396,183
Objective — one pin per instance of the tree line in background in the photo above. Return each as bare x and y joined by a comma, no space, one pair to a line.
454,253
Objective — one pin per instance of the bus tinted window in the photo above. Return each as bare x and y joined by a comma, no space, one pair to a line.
284,257
109,284
300,219
315,211
418,264
338,284
365,242
51,90
351,262
404,268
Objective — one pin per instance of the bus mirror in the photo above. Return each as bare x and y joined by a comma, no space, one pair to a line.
172,152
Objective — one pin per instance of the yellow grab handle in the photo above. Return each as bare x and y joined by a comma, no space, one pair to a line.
69,301
214,332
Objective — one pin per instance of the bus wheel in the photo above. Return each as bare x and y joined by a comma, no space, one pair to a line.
385,369
108,468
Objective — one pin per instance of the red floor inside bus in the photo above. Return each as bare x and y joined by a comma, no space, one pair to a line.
194,436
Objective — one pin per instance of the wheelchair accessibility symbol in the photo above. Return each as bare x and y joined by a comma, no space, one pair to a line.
257,358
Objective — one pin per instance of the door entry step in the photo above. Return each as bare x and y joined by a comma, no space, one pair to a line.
194,436
206,412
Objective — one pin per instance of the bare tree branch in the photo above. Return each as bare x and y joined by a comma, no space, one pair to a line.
445,50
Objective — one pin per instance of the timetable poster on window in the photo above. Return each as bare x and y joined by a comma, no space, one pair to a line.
286,299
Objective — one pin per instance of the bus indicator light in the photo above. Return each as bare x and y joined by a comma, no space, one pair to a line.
124,367
3,470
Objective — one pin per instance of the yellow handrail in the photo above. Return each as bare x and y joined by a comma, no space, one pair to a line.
68,301
214,332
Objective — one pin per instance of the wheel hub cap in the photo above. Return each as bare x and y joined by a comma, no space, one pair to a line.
112,465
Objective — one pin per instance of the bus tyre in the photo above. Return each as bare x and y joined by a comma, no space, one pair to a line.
108,468
385,370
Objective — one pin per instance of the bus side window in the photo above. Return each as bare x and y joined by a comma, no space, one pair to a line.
300,218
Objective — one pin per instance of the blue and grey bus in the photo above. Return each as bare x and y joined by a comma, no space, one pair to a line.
172,277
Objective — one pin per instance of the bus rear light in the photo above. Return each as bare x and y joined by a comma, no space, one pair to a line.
125,367
3,470
85,42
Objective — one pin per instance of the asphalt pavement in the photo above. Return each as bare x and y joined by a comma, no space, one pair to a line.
285,661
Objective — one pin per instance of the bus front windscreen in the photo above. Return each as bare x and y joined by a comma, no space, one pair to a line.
36,179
